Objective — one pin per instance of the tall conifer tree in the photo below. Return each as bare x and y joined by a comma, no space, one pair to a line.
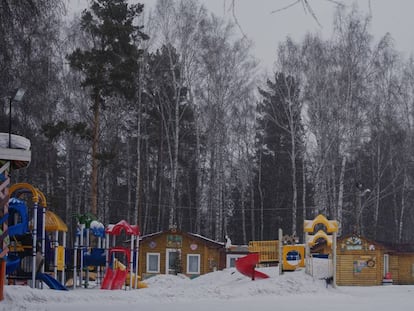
110,64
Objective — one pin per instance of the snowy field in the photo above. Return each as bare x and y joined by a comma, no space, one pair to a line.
223,290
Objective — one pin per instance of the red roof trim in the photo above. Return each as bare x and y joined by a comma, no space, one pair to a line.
122,225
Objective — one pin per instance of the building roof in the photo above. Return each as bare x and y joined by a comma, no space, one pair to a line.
192,235
399,247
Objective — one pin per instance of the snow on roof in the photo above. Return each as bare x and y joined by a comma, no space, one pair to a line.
204,238
182,232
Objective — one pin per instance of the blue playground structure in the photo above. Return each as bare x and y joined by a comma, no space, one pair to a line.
29,248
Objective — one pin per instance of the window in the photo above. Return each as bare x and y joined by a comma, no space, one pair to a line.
231,260
193,264
386,264
153,263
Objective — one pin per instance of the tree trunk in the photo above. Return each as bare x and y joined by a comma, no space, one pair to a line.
252,205
137,213
294,183
243,214
259,187
341,195
128,181
95,150
403,206
377,188
304,216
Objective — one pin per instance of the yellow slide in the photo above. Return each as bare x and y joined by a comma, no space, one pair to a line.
135,278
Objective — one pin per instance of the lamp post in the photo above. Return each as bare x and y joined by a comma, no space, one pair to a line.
360,207
18,96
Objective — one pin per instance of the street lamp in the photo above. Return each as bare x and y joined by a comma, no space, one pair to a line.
360,194
18,96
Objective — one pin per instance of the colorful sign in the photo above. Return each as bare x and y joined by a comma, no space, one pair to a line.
174,241
353,243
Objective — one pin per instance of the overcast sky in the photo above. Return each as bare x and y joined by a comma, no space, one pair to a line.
267,29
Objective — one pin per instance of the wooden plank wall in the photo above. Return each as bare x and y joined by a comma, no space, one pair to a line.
353,268
268,250
402,269
209,256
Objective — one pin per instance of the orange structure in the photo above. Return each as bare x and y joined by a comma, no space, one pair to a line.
11,157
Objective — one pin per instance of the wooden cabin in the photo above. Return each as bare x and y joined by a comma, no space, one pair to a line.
362,262
359,261
175,251
400,262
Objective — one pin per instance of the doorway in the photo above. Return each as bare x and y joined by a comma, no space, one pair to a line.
173,264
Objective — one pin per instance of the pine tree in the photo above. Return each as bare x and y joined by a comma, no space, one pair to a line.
278,136
110,64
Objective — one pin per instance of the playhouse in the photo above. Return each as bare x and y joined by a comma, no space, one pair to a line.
174,251
363,262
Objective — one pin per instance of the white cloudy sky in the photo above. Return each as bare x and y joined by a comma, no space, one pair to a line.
267,29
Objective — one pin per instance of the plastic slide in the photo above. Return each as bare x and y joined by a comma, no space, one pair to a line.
119,279
108,277
135,278
114,279
246,266
50,281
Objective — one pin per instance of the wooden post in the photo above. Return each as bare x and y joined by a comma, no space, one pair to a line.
280,251
334,259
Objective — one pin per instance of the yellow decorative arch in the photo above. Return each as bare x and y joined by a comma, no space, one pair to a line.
312,239
331,225
43,201
33,190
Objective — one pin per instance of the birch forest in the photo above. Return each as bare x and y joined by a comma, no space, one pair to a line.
162,117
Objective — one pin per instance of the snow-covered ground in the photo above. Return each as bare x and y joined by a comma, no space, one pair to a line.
222,290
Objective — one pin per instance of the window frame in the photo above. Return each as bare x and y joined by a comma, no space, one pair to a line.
229,257
198,264
386,268
158,263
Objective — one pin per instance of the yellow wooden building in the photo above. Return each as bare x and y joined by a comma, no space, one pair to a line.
400,262
363,262
175,251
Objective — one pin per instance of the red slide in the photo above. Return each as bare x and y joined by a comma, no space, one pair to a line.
246,266
119,279
114,279
107,281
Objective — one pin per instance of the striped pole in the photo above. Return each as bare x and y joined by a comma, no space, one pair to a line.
4,237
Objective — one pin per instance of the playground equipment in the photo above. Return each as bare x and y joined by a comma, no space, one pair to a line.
55,226
293,257
89,256
30,241
115,277
247,266
14,154
116,274
318,229
135,278
268,250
